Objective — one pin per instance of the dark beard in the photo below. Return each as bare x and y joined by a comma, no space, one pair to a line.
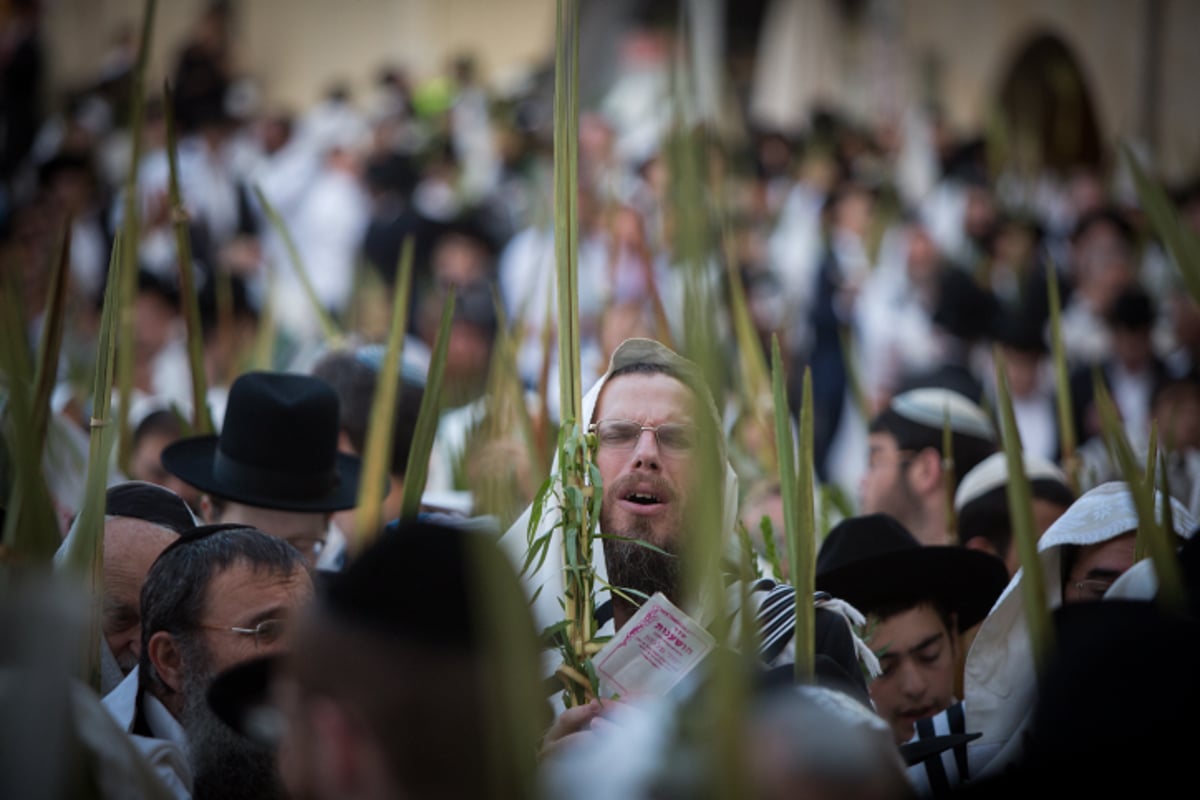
633,565
224,763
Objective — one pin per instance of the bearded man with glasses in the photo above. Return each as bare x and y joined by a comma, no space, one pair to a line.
656,429
216,597
645,435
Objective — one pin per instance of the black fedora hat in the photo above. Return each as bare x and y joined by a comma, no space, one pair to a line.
277,447
873,561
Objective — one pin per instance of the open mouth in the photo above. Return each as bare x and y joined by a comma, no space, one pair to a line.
643,498
917,713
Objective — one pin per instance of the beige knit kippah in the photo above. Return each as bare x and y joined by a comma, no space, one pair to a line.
992,473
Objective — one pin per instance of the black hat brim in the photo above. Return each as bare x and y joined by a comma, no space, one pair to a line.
192,460
965,582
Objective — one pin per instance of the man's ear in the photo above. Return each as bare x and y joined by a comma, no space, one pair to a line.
344,444
207,511
925,471
167,660
982,544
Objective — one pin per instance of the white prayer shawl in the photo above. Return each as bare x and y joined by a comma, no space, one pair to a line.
167,751
547,581
70,713
1000,684
111,674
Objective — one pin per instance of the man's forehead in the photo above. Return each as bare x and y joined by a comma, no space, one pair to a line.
882,440
130,534
1116,550
277,523
656,392
246,580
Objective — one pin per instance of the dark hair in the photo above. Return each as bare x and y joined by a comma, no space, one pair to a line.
151,503
642,368
964,309
150,283
1052,492
67,162
1021,330
843,190
176,588
909,435
242,307
1100,216
164,421
1132,310
1185,383
898,605
354,381
988,516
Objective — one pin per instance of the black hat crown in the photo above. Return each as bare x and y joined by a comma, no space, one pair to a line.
873,562
277,447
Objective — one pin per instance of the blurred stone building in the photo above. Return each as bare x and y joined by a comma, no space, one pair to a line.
1074,75
1068,78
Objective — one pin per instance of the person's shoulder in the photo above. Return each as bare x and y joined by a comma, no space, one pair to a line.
835,645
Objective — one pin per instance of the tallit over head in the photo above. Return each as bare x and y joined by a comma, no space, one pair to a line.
547,582
1000,683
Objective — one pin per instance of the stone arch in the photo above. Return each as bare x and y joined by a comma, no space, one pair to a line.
1047,107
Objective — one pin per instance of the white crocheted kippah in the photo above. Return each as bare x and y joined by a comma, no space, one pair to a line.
931,406
992,473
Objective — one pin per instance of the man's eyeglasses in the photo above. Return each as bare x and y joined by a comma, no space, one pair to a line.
673,438
1093,588
309,546
265,633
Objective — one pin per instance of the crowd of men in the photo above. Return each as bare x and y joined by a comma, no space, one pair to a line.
255,642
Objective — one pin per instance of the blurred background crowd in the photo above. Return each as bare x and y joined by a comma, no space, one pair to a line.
893,184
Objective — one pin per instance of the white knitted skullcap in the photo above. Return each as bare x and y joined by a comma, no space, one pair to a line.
992,473
929,406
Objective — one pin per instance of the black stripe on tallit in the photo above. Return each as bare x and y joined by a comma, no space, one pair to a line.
604,613
776,620
939,783
958,724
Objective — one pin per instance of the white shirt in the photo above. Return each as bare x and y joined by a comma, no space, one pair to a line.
1037,422
327,224
528,284
1132,391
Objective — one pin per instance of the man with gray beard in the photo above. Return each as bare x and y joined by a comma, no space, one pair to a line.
218,596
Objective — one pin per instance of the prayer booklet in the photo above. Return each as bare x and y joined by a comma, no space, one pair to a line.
653,652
